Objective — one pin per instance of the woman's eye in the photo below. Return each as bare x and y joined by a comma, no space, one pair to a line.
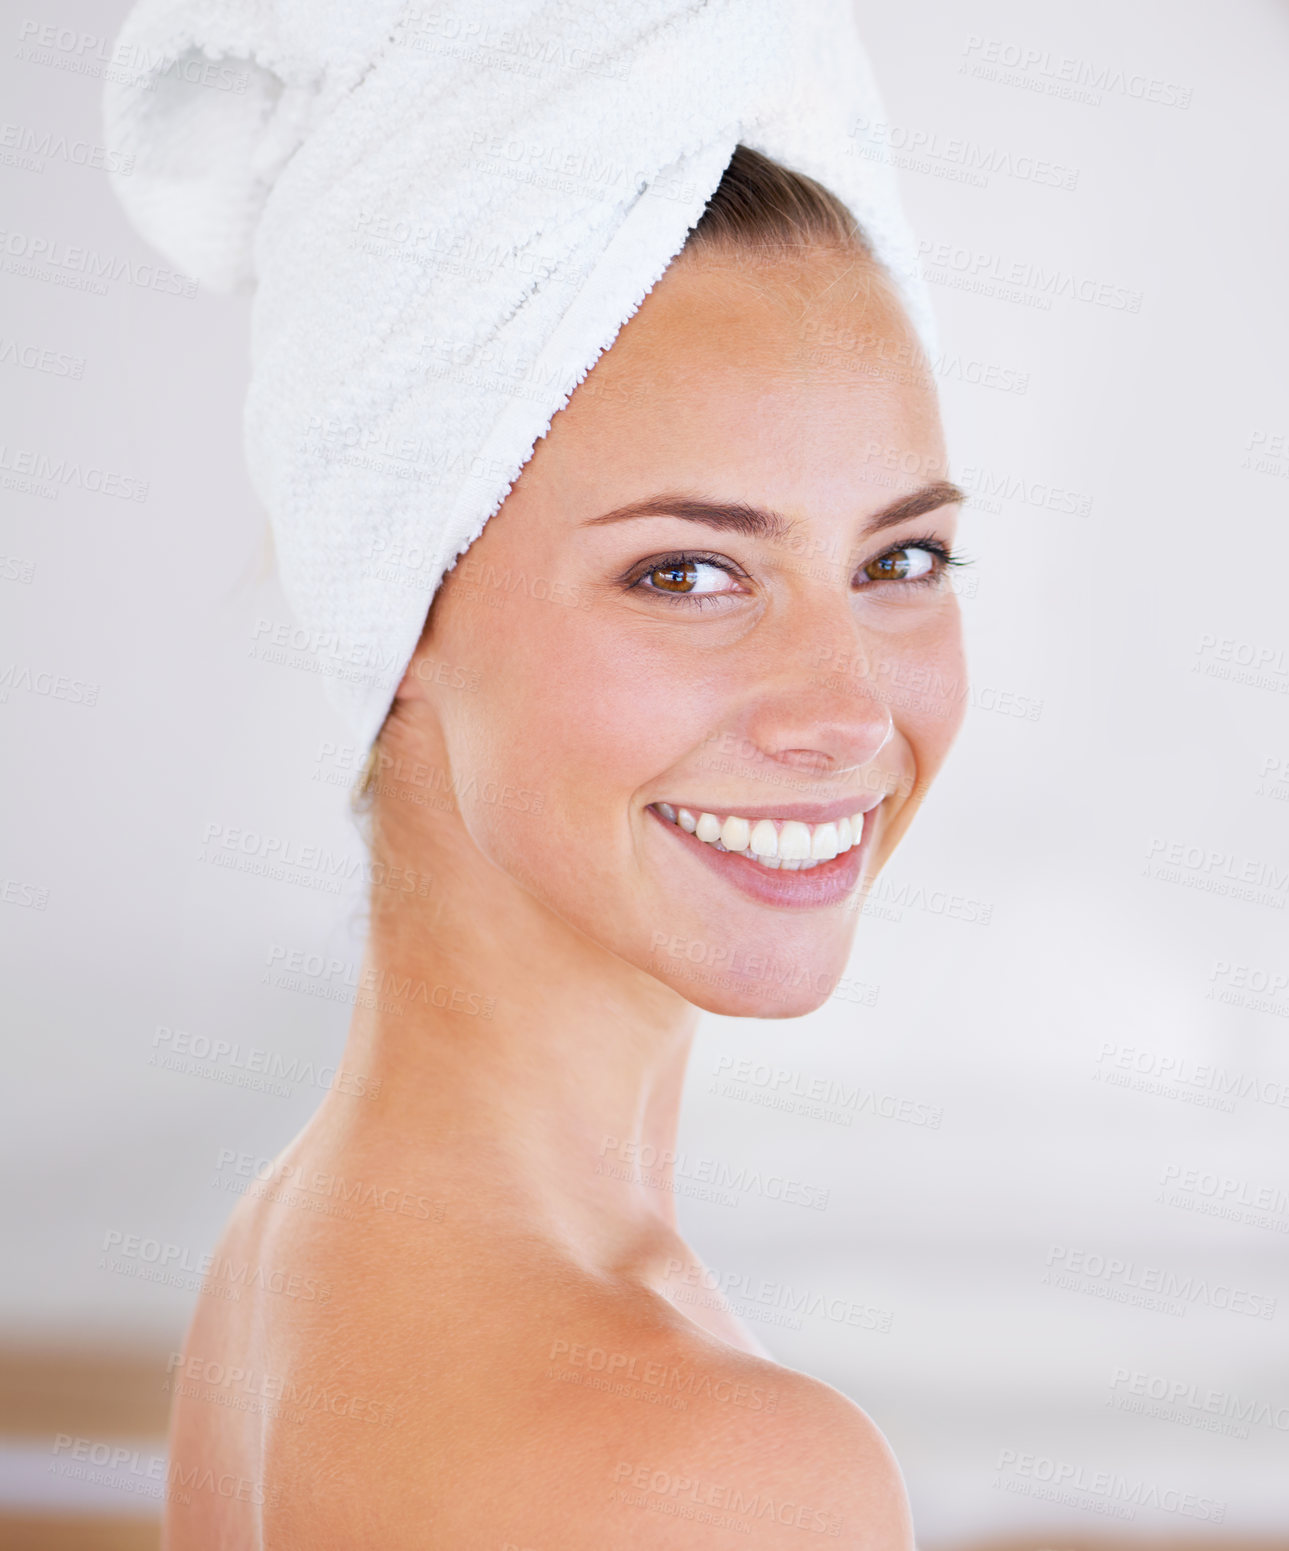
901,565
686,577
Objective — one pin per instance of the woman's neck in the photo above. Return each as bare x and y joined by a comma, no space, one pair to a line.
513,1052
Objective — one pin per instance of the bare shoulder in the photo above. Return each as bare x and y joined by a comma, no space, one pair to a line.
745,1474
441,1389
583,1421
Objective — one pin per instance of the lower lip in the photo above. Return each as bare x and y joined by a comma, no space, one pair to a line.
810,889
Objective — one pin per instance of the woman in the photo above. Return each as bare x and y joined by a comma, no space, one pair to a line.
664,417
670,798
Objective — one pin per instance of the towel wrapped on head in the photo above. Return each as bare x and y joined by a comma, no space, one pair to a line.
448,211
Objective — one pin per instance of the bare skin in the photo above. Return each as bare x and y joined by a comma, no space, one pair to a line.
481,1349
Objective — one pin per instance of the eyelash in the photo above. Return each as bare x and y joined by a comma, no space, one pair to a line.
682,557
944,555
945,558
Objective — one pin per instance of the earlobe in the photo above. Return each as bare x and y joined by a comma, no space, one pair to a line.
412,685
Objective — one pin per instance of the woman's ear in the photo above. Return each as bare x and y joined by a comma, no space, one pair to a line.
416,681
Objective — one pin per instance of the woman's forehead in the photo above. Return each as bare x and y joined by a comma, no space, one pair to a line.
719,342
750,376
712,308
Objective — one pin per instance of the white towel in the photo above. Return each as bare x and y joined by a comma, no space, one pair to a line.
448,211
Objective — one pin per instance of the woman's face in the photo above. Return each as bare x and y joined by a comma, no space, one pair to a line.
714,601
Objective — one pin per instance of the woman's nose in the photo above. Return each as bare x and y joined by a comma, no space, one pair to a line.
821,706
830,731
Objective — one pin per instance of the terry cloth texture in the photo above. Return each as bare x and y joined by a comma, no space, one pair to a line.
448,210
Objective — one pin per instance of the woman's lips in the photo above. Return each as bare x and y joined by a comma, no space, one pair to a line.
826,883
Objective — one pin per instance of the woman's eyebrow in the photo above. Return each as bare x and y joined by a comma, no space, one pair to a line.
757,522
736,516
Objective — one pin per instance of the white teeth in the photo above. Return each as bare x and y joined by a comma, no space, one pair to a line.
708,828
787,844
794,842
735,833
764,840
823,843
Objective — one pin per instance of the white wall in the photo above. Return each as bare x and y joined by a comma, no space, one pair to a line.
1113,726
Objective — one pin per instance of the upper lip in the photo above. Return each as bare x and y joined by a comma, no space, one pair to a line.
803,812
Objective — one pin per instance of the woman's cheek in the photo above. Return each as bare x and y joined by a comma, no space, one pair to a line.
596,711
927,718
549,747
947,704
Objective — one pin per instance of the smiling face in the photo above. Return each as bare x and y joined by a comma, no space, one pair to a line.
714,655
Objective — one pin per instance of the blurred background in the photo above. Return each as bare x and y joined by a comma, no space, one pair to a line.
1048,1107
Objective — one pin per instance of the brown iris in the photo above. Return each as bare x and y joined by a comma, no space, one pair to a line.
889,568
680,576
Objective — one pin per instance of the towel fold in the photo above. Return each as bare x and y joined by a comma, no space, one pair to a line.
448,211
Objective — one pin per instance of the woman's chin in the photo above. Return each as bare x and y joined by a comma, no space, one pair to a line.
782,975
729,996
